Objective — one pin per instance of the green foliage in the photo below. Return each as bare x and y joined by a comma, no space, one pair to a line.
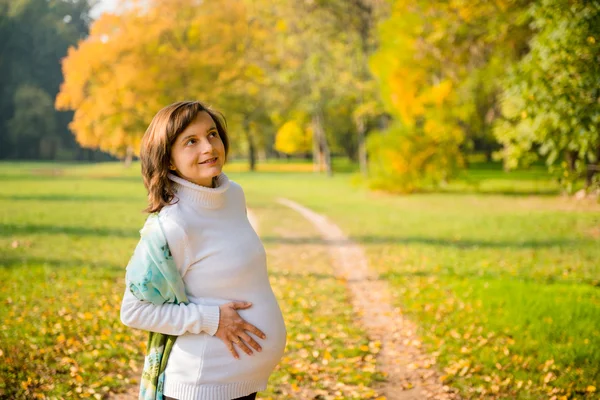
438,64
35,36
551,105
479,76
34,120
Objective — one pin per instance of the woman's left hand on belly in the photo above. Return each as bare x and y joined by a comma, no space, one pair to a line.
233,329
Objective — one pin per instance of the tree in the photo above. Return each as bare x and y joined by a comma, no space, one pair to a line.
34,36
551,105
418,92
33,125
151,55
322,69
135,63
358,19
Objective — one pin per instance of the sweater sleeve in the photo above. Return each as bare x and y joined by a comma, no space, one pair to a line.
171,319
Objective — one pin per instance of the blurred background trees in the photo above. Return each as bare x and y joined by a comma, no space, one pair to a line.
407,90
551,100
34,37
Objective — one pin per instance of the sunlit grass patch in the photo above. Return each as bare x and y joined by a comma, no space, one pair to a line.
515,338
60,332
64,244
436,247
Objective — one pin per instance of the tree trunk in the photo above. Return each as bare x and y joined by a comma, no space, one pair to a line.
316,149
128,157
592,169
384,122
366,18
362,147
488,155
571,157
324,151
262,155
53,149
251,147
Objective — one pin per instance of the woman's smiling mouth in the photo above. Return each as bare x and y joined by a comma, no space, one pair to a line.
210,161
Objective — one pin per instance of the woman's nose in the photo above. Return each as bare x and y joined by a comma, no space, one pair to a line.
206,146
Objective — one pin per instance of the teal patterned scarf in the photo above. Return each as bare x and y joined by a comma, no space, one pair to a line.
152,276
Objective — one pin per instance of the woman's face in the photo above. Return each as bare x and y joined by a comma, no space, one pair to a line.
198,153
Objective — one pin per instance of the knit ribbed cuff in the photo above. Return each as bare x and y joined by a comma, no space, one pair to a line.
210,319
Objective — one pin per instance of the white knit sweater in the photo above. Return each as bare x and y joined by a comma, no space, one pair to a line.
221,259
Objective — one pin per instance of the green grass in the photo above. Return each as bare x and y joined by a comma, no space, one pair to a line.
504,285
64,241
501,274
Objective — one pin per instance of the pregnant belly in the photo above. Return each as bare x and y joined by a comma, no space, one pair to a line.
216,361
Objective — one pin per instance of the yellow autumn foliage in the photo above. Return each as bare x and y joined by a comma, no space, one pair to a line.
150,55
291,138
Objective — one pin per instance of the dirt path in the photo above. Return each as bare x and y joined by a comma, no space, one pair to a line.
411,374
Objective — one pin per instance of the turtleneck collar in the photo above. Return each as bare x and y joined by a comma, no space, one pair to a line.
200,195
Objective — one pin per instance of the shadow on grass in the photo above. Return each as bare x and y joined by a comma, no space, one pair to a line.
12,262
295,275
75,198
115,178
492,192
485,276
461,244
11,229
57,178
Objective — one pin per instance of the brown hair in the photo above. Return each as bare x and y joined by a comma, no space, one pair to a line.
155,153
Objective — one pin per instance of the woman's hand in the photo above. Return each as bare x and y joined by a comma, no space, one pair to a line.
232,328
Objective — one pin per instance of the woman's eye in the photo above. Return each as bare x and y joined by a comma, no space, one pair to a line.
213,134
190,142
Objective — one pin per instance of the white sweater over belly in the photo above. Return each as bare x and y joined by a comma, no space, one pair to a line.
221,259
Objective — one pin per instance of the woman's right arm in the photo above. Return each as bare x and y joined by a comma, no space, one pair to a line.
170,319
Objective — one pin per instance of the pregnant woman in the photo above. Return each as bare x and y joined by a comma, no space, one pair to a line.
225,329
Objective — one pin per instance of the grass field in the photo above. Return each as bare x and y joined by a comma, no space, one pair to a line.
501,273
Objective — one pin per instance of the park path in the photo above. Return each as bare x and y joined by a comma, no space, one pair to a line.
410,373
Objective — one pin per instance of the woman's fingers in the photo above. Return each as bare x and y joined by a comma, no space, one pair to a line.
237,340
232,349
251,328
242,345
240,305
248,339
